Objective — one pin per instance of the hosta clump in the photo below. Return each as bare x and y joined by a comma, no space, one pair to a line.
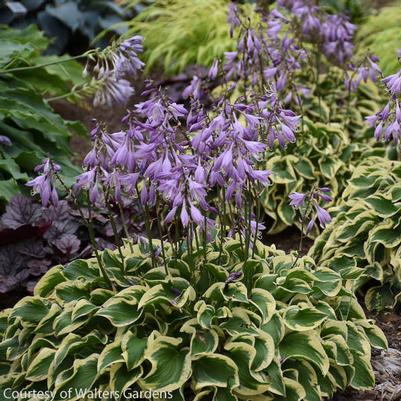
365,232
323,156
330,101
209,324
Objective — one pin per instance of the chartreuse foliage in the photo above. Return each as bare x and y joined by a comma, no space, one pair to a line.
381,34
33,128
355,9
179,33
365,233
280,328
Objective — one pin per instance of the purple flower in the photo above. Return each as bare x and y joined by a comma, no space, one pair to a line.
338,34
43,184
232,18
297,199
193,89
214,70
111,69
112,91
368,69
5,140
393,83
126,57
308,199
310,225
323,216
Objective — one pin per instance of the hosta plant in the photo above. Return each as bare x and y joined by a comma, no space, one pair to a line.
209,325
365,232
322,156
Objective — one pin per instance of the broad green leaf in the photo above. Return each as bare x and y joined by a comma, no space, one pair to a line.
133,349
120,312
302,317
122,378
39,367
265,302
171,365
82,377
30,309
251,383
49,281
305,346
215,370
363,378
111,355
81,309
384,207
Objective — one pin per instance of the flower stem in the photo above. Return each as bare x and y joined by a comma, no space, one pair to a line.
125,228
33,67
91,231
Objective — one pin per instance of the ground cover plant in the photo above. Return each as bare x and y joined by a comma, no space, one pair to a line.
228,328
364,232
179,295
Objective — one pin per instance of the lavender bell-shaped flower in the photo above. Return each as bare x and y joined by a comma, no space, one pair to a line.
43,184
387,122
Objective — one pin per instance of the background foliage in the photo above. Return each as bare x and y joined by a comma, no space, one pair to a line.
72,24
381,34
179,33
31,125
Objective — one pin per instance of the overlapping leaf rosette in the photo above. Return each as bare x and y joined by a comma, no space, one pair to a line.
221,328
322,156
365,232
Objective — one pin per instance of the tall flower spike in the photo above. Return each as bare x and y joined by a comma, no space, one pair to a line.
387,122
44,183
308,201
112,69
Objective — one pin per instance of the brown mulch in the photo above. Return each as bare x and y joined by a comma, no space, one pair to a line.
288,240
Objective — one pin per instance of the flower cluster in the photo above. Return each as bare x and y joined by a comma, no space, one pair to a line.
367,69
44,184
387,122
186,168
333,33
111,69
338,33
308,204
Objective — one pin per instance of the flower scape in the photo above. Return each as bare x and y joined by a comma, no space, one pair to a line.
154,270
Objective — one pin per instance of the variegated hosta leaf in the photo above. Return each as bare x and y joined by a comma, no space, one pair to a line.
363,240
322,156
279,331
